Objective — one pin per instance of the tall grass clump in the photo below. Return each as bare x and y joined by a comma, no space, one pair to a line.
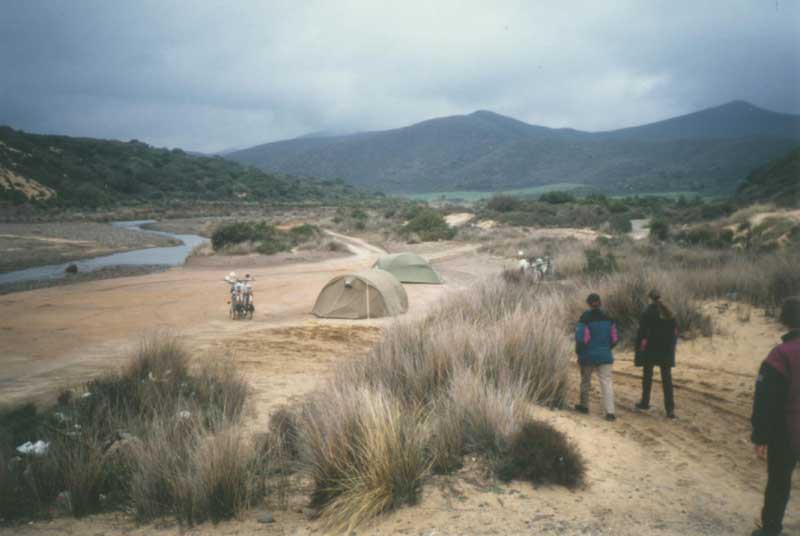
157,437
459,381
363,452
625,298
762,280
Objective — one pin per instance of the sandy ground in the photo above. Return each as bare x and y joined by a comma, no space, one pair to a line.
640,229
787,214
459,219
647,474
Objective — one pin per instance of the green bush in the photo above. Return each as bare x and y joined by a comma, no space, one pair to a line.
620,223
540,454
659,229
358,214
502,203
557,198
265,237
597,263
304,233
429,225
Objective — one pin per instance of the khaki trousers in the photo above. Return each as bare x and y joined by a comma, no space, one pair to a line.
604,375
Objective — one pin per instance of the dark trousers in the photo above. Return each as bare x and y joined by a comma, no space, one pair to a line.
781,460
666,383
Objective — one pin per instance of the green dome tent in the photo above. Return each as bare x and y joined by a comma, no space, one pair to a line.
367,294
409,268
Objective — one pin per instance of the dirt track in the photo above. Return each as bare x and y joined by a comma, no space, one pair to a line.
647,475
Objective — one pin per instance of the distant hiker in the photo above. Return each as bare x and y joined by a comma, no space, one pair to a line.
776,418
655,347
595,336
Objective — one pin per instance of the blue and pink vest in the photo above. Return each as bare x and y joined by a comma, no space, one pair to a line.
595,336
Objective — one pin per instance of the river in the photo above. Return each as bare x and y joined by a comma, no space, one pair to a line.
165,256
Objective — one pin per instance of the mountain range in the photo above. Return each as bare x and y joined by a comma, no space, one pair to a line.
708,151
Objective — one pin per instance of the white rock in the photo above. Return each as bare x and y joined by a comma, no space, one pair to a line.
37,449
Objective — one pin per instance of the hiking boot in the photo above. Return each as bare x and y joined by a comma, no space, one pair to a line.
762,532
611,417
581,408
671,415
642,406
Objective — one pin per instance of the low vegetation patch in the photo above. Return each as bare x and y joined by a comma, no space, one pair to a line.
540,454
156,438
247,236
427,225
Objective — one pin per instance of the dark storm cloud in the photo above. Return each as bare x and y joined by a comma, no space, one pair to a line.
213,75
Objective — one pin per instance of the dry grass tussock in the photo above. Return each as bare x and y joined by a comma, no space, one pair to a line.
157,438
568,252
459,381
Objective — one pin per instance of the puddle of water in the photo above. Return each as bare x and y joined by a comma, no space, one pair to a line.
170,256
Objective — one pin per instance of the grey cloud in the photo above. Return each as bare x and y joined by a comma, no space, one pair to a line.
212,75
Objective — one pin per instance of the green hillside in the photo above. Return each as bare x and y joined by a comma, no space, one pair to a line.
88,173
778,181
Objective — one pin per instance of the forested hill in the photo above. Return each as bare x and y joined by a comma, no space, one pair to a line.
86,173
778,181
707,151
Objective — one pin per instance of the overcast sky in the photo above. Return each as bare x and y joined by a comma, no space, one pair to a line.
209,76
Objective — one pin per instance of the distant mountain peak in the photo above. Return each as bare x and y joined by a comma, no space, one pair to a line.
705,150
486,113
738,106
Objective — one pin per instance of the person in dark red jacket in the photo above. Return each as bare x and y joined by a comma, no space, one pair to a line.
776,419
655,347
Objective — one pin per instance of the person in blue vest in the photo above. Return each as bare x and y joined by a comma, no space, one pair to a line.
776,419
595,336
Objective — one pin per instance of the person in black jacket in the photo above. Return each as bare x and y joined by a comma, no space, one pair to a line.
776,419
655,347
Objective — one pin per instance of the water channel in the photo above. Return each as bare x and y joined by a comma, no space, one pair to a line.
169,256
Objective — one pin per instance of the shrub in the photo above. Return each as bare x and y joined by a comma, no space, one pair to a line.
304,233
266,238
597,263
502,203
154,436
540,454
28,485
620,223
557,197
358,214
429,225
336,246
659,229
625,297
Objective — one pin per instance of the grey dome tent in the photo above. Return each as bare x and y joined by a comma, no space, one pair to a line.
409,268
367,294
